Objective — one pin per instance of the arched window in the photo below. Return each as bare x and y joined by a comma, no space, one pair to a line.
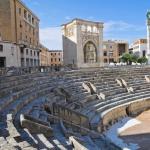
90,53
95,29
83,28
89,29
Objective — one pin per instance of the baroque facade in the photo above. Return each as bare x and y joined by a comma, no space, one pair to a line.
19,26
82,43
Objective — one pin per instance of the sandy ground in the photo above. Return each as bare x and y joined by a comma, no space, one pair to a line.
139,133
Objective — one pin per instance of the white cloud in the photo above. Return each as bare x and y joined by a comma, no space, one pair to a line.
68,18
121,30
121,26
51,37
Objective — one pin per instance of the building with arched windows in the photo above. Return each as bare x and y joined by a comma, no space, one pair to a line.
82,43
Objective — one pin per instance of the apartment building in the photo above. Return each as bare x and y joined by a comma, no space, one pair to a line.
44,56
113,50
19,32
55,57
139,47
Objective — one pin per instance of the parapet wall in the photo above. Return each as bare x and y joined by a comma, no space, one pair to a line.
70,115
110,116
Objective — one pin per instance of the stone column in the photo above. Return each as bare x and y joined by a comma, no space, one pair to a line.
148,37
100,29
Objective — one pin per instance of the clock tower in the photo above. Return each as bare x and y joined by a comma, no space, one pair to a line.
148,36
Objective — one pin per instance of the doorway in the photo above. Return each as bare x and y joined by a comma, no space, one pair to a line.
2,62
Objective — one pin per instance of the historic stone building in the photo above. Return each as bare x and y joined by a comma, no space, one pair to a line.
19,26
112,50
82,43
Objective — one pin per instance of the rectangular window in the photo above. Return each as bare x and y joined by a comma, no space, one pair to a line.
31,52
21,49
104,46
20,35
110,53
144,53
1,48
105,60
59,59
19,11
26,51
25,14
55,59
32,20
29,18
51,59
26,38
20,24
105,53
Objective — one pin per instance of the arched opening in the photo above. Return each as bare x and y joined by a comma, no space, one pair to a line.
90,53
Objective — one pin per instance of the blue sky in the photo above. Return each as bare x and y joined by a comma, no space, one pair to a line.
123,19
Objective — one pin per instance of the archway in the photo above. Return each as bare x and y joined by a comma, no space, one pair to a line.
90,53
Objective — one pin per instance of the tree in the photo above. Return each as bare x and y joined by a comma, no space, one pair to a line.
142,60
134,58
129,58
126,57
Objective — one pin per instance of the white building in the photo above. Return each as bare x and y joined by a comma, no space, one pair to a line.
9,55
139,47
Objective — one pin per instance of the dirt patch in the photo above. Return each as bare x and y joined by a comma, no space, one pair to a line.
140,133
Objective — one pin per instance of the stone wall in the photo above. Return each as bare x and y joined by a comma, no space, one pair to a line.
70,115
129,109
11,53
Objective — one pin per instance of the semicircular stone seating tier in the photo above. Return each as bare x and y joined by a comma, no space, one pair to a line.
69,109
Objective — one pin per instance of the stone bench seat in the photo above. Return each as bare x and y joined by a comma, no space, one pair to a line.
100,104
146,97
7,91
105,88
13,78
35,126
18,104
23,81
12,97
113,104
15,83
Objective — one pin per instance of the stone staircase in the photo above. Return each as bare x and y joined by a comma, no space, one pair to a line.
29,93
